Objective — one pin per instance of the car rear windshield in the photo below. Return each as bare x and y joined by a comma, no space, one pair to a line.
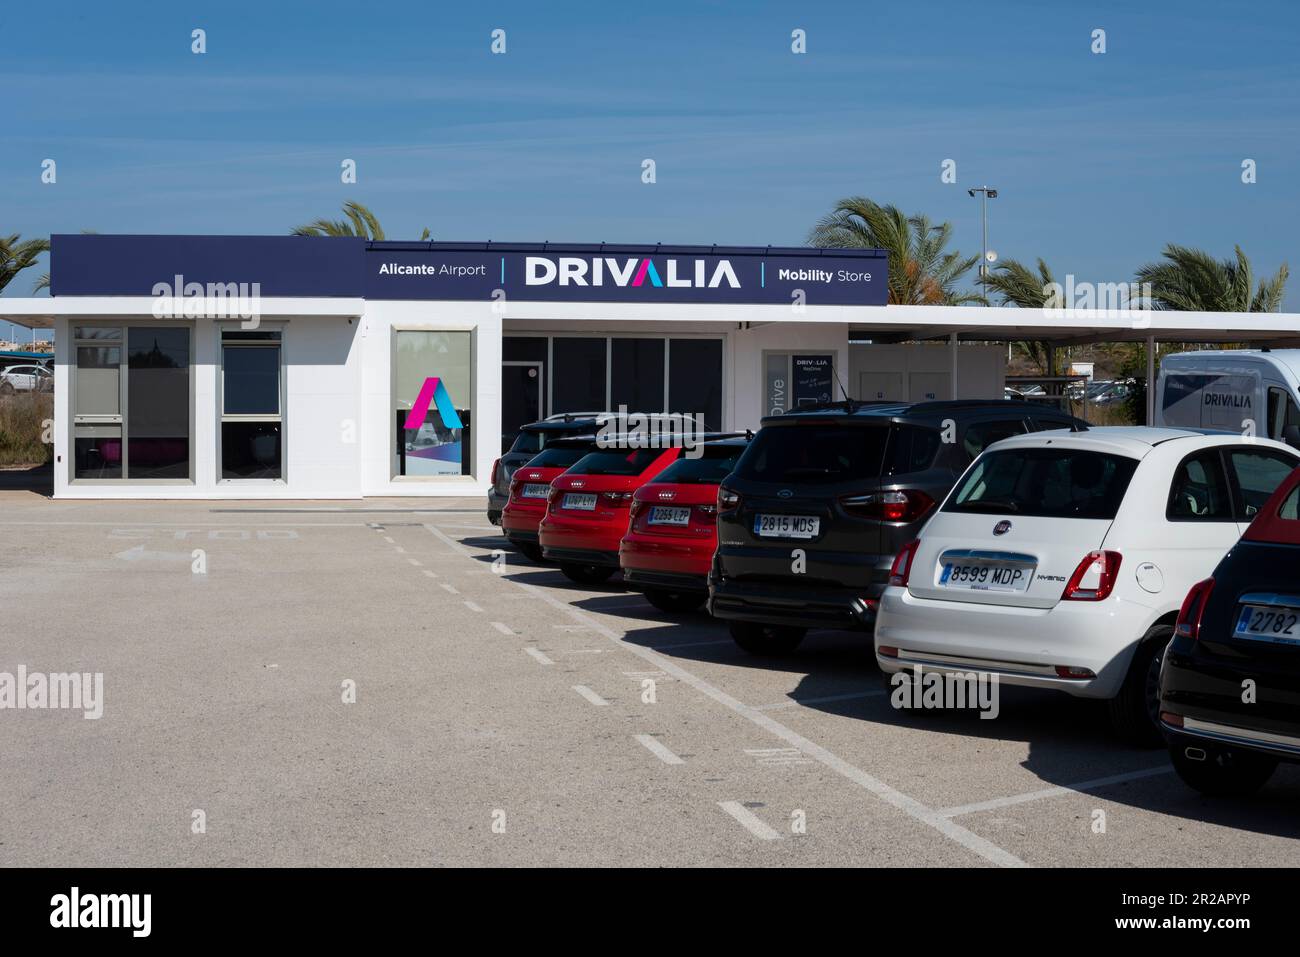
715,464
557,457
527,442
615,462
1045,482
814,453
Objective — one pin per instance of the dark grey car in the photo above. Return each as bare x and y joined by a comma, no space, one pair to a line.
822,500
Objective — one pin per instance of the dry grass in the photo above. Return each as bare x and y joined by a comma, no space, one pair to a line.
23,418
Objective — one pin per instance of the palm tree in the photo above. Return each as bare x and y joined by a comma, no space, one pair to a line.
360,222
921,272
1193,280
1015,284
16,255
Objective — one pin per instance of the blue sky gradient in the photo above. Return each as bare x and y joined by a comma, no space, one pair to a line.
1100,159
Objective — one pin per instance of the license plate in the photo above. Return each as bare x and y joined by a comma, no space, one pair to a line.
582,502
787,526
669,515
536,491
986,576
1269,623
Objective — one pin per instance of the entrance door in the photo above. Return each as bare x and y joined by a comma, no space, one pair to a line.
521,398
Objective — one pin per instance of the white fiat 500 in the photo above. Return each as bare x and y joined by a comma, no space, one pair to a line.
1061,559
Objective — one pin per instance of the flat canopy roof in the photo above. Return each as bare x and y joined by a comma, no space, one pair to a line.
882,324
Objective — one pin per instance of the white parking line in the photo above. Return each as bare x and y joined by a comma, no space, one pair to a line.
503,628
401,550
416,562
473,607
658,750
799,702
540,656
450,589
1079,788
590,695
749,820
389,540
968,839
430,574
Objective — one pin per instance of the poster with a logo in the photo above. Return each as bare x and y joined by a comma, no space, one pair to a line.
812,380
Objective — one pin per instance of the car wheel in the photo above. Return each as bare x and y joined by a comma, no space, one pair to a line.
1222,773
675,601
530,551
766,640
6,388
1135,711
586,574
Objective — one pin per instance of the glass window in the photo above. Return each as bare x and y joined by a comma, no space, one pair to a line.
814,453
97,451
980,435
250,379
616,462
557,457
579,383
250,449
695,379
252,427
1258,474
433,395
1199,491
98,388
1290,507
158,402
716,462
1047,483
637,374
912,449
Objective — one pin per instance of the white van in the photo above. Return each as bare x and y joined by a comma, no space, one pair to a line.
1246,390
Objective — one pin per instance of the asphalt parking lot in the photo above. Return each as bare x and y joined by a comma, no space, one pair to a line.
504,716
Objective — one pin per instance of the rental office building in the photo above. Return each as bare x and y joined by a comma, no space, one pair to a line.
337,367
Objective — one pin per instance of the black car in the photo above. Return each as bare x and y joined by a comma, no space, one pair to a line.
822,500
532,438
1230,679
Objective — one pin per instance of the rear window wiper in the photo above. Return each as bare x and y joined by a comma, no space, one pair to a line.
988,505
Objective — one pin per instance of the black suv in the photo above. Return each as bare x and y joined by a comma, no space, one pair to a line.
823,499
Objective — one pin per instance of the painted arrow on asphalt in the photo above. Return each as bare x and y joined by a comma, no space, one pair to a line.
138,554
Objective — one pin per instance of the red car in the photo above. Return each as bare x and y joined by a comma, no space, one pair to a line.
587,513
530,487
673,533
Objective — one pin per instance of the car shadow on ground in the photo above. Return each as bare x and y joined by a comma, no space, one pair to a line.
39,480
1069,739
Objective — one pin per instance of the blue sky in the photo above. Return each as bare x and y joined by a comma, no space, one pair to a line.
1100,159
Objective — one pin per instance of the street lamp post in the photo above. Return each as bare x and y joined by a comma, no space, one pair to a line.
986,193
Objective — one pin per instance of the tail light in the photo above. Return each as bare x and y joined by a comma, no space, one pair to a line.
616,498
1094,579
1193,610
727,499
901,505
901,570
496,471
554,494
637,509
